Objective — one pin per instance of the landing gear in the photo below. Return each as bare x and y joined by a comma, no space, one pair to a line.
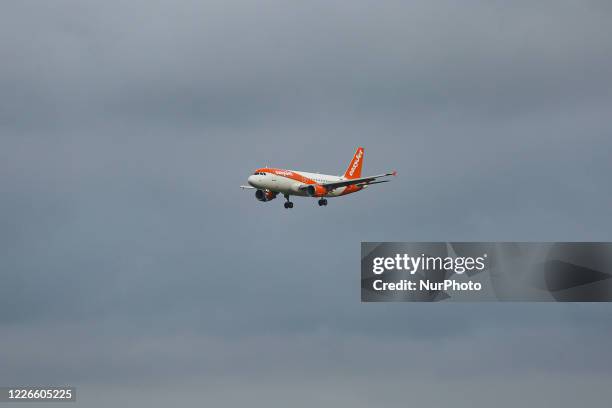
288,204
322,201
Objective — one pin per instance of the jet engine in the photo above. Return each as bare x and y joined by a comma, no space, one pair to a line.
265,195
316,190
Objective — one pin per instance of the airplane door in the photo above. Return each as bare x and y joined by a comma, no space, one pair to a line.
274,181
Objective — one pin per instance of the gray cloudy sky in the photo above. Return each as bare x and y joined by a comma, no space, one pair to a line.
132,265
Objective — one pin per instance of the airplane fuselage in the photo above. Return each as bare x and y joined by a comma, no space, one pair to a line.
288,182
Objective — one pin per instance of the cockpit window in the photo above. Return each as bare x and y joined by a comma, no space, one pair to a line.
259,173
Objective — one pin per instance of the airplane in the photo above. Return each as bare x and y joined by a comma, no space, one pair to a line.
269,182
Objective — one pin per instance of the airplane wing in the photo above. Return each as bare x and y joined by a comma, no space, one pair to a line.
247,187
358,181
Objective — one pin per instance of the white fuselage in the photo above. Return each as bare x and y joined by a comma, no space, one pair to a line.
289,181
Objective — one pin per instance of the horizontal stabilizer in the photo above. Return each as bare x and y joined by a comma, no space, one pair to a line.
374,182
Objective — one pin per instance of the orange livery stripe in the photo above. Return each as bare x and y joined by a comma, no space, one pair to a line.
289,174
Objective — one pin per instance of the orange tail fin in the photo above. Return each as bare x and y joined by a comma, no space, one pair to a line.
354,169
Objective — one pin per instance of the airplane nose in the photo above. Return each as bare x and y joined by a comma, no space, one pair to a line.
251,180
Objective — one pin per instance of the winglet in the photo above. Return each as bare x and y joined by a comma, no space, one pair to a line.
394,173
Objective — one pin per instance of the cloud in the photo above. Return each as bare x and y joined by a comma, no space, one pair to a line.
125,130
